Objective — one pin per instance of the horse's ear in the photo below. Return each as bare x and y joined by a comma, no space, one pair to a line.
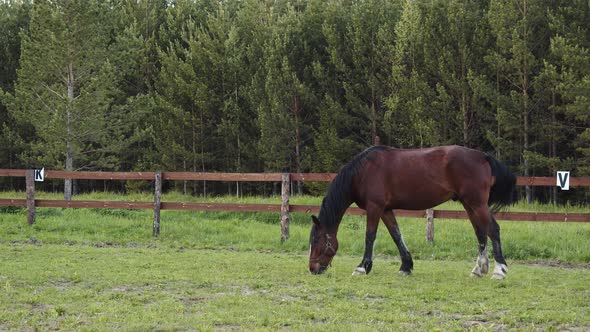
315,220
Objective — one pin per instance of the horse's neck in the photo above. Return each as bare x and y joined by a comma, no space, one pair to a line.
335,207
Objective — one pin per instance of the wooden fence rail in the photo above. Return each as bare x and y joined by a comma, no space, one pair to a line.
285,208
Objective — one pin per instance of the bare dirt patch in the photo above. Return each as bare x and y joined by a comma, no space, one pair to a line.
558,264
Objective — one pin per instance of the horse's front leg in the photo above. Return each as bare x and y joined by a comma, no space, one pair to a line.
407,263
367,263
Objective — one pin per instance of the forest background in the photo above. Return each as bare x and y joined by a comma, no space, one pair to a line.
296,86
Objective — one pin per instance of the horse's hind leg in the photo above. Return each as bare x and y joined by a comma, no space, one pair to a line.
372,223
500,267
407,263
480,219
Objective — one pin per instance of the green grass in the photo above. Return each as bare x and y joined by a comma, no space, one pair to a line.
48,287
454,239
99,269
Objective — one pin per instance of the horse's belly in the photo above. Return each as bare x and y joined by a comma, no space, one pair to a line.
414,205
415,199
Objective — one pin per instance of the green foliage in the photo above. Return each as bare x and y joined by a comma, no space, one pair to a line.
14,18
252,86
65,86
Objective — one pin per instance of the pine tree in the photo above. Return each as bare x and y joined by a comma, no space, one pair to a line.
65,85
454,43
569,60
407,117
518,28
201,91
14,17
285,95
359,39
134,53
182,123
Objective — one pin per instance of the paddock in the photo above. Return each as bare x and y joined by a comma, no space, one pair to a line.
94,268
86,287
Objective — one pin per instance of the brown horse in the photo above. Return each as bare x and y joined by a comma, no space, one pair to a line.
381,179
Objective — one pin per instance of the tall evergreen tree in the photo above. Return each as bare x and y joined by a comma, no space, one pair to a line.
359,48
65,85
520,32
287,65
439,47
14,18
183,121
455,39
202,90
134,53
250,85
276,117
569,62
334,141
407,116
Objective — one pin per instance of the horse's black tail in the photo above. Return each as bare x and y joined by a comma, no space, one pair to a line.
503,191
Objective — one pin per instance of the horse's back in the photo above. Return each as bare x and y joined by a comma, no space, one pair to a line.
436,163
417,179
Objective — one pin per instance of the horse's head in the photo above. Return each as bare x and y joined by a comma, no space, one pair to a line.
322,247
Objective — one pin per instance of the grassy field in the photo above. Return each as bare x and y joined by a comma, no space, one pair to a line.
90,288
91,269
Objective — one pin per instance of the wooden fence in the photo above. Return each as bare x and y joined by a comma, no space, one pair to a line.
284,208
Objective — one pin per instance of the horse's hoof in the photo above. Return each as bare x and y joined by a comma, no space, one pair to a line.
476,272
485,269
405,273
482,265
498,276
359,271
500,271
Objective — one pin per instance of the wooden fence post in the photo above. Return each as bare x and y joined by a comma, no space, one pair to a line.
286,184
30,188
157,202
430,225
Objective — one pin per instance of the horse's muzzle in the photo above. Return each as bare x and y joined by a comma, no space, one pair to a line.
316,268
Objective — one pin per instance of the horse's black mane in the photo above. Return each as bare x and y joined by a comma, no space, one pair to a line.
339,196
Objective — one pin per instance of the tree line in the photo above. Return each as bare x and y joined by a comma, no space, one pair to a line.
292,85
